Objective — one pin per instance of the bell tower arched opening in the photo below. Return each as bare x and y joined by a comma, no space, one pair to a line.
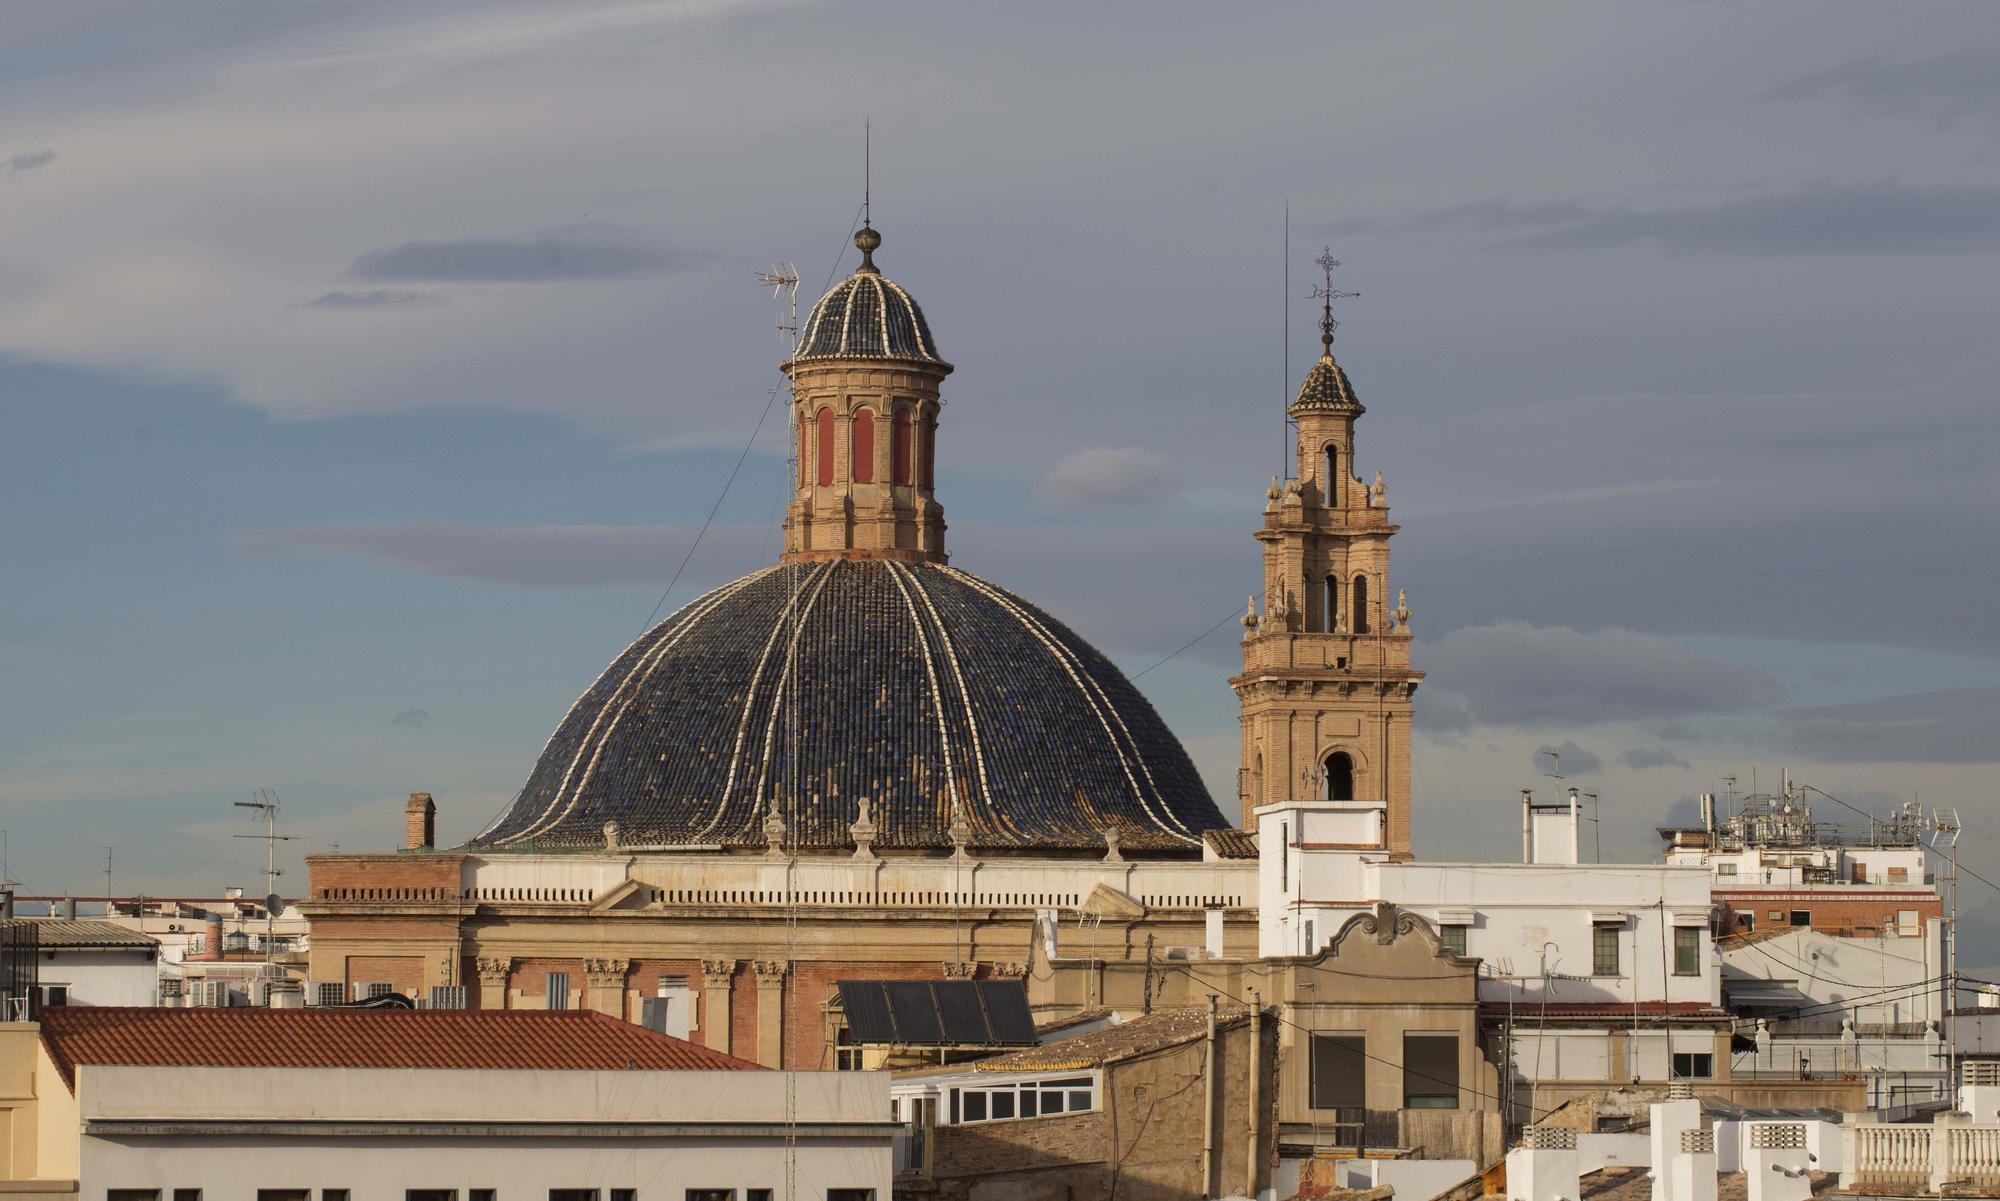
1339,776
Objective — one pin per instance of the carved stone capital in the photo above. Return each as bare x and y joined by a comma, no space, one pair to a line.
493,971
770,972
960,969
1010,971
716,973
614,968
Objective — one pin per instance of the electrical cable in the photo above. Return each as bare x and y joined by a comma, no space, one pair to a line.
1190,642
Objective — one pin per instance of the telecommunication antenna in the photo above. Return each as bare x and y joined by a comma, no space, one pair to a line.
107,879
265,802
1945,829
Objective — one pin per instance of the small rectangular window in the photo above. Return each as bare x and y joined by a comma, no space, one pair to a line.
1908,923
1746,922
1698,1065
1453,938
975,1107
187,1194
558,991
1687,951
572,1194
1604,949
430,1194
758,1194
474,1194
1339,1071
278,1194
1430,1071
133,1194
1801,917
850,1194
624,1194
1725,869
1003,1103
341,1194
1028,1096
710,1194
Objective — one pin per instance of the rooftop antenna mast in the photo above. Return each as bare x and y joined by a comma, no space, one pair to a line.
1945,829
265,802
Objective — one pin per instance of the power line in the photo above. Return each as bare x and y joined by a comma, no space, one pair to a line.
1190,642
712,510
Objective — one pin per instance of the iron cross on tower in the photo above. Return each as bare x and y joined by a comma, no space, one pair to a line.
1326,293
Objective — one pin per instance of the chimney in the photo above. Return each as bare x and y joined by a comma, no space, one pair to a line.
69,907
420,822
213,939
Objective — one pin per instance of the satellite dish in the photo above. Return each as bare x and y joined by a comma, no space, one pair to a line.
274,905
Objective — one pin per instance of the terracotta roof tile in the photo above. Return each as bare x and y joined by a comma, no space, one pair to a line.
571,1040
1232,843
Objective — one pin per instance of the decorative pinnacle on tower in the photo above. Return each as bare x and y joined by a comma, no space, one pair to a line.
1326,293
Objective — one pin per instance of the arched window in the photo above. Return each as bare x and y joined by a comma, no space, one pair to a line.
928,476
805,453
1339,776
900,446
1357,613
1330,620
1329,480
825,436
863,441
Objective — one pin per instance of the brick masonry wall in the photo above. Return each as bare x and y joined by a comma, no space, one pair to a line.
385,878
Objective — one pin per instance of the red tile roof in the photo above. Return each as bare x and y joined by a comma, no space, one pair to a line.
571,1040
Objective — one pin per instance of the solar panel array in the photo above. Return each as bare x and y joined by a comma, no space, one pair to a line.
938,1013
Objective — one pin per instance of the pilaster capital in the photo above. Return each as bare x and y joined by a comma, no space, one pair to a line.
613,968
770,972
716,973
493,971
1010,971
960,969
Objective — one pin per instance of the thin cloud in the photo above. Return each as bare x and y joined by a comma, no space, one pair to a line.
1945,86
542,556
32,160
1953,725
1511,673
1105,476
374,298
1839,219
575,254
412,719
1640,757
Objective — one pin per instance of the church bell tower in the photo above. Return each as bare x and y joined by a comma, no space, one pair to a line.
1326,689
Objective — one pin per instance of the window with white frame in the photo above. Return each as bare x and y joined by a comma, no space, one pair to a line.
1037,1098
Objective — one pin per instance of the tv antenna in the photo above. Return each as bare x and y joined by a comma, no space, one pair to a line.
265,802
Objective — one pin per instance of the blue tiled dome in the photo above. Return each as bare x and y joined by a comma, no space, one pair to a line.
915,683
868,316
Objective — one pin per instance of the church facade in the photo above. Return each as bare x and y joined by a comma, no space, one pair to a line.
865,762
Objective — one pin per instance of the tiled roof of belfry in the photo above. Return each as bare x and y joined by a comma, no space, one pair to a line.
523,1039
1326,387
868,316
909,684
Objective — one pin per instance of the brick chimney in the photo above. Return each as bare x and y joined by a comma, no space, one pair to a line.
420,822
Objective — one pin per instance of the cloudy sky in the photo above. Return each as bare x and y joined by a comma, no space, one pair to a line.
367,369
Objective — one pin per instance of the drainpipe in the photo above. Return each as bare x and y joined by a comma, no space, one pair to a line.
1253,1153
1208,1109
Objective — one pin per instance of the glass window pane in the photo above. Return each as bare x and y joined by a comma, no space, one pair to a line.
1079,1100
975,1107
1604,950
1028,1096
1003,1103
1430,1071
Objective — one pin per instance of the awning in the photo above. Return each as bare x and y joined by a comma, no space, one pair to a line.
938,1013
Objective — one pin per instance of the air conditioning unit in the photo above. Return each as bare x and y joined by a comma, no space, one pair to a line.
170,990
368,990
447,996
326,992
211,994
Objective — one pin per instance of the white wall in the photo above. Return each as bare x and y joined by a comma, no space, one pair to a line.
103,977
355,1129
1830,968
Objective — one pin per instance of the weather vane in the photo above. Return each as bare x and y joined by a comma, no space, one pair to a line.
1327,294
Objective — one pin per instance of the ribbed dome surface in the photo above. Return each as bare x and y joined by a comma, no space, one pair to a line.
1326,387
867,316
914,683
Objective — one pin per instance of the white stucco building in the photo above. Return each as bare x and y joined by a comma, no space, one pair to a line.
388,1105
88,962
